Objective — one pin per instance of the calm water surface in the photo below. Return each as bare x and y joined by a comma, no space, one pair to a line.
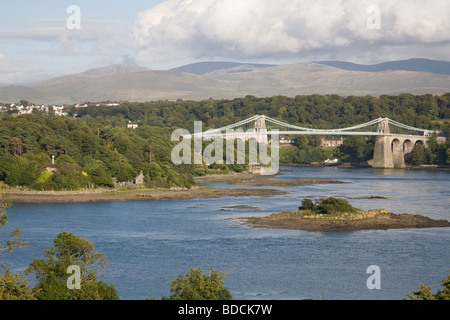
148,242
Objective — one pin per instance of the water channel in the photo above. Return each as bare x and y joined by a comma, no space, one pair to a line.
148,242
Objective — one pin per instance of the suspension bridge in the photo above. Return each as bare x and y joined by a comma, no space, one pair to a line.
391,148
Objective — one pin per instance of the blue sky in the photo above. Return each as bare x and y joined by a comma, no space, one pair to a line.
161,34
35,43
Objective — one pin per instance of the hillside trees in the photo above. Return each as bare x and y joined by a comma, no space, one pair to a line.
324,111
85,154
98,144
357,149
314,111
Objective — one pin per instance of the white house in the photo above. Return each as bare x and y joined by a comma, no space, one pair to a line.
133,124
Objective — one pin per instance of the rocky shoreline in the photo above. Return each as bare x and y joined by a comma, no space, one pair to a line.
380,221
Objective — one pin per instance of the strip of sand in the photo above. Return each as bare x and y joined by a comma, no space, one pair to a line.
141,195
256,180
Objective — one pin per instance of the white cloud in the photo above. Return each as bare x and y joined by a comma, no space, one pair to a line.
291,29
176,32
423,21
12,72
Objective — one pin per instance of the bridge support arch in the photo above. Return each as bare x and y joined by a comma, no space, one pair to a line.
398,156
408,146
391,151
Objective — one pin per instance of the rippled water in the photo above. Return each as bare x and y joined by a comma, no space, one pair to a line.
148,242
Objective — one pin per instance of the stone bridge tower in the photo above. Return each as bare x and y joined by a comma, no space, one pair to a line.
391,150
382,154
261,130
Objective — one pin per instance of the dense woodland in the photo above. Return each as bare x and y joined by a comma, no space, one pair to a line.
93,145
315,111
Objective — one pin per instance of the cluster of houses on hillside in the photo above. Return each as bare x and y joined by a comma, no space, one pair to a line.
108,104
27,109
332,142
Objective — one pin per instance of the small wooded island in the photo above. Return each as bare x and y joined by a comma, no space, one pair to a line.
337,215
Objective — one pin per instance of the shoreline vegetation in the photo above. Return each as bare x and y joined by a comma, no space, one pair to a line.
245,179
241,180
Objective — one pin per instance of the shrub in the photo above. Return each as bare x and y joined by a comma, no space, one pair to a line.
333,205
329,205
307,204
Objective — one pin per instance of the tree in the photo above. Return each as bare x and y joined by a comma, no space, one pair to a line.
302,142
51,273
101,178
357,149
14,242
333,205
15,146
418,154
448,156
15,287
195,285
307,204
12,286
328,205
424,292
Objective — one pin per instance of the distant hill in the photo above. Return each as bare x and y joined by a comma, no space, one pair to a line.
311,78
114,69
420,65
92,86
220,80
202,68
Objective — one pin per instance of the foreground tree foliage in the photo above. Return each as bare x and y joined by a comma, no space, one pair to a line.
196,285
424,292
51,272
13,286
14,242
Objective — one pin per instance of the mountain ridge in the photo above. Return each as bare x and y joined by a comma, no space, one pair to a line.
230,80
205,67
115,69
414,64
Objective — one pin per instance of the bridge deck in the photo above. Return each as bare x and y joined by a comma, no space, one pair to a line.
323,133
